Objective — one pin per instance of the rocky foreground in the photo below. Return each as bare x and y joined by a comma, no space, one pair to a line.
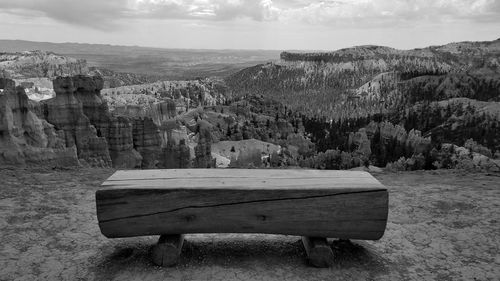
442,225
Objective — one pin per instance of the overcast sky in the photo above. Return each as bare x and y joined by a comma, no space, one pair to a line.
252,24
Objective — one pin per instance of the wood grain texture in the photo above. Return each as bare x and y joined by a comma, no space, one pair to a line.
232,173
319,253
168,250
340,204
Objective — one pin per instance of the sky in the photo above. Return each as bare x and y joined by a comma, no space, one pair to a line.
252,24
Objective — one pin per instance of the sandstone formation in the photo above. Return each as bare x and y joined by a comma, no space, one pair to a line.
26,139
185,94
164,110
157,111
163,138
147,141
413,142
176,151
65,112
203,150
130,139
112,136
175,156
40,64
388,140
117,130
7,84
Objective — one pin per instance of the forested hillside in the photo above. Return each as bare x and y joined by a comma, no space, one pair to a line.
383,104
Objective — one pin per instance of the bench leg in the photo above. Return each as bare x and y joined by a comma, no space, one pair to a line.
319,253
168,249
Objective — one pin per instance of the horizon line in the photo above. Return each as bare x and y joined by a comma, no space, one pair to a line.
233,49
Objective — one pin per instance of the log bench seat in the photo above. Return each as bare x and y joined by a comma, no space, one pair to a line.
310,203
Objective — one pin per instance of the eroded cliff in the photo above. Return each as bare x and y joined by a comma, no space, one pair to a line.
25,139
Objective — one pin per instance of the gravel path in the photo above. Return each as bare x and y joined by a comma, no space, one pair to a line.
442,225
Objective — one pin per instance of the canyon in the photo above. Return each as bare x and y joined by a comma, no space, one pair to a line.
406,109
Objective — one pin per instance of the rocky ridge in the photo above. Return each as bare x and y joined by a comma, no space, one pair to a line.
31,64
365,80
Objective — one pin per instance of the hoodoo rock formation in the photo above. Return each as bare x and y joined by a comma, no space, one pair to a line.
203,150
26,139
76,127
389,138
65,112
147,141
116,129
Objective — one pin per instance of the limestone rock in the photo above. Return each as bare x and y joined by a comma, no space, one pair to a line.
163,111
126,159
221,161
25,139
203,150
41,64
147,141
65,112
7,84
116,130
130,110
175,156
173,133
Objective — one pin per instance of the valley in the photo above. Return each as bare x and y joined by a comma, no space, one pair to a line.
148,62
430,108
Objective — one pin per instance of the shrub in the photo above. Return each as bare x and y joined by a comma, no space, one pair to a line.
399,165
332,160
416,162
475,147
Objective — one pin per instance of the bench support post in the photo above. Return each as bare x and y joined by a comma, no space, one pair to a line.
168,249
319,253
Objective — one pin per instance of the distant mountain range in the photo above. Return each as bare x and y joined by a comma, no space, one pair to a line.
165,64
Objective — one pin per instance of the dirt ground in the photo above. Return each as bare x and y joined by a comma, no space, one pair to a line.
443,225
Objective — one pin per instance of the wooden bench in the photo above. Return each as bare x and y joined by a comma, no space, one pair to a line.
310,203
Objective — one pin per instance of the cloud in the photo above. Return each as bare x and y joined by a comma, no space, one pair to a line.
97,14
109,14
207,10
367,13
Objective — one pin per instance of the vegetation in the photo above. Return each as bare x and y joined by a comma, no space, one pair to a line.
381,105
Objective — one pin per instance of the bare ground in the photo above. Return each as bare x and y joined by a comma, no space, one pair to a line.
443,225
